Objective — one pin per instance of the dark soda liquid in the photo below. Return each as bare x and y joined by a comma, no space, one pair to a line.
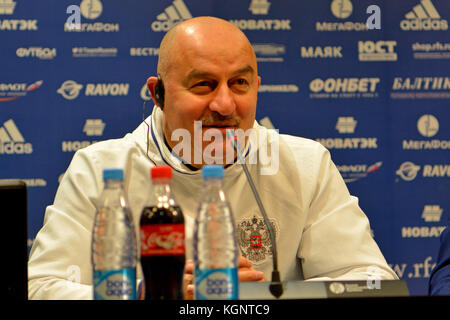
163,273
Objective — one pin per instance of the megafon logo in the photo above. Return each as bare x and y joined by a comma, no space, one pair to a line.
13,91
423,17
173,14
12,141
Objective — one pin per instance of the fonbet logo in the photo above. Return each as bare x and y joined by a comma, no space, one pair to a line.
428,126
347,125
91,10
92,127
423,17
408,171
13,91
344,88
377,50
431,214
261,7
7,8
172,15
12,141
70,89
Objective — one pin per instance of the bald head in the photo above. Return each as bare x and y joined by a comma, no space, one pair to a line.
202,31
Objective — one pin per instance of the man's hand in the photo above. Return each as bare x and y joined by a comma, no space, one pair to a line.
245,272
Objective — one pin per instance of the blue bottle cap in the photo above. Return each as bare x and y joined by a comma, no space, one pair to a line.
212,171
112,173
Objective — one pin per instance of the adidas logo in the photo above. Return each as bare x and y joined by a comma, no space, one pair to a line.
423,17
12,141
173,14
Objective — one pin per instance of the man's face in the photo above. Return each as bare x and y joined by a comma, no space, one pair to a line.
212,80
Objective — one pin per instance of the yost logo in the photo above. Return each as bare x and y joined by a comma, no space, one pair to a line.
173,14
423,17
12,141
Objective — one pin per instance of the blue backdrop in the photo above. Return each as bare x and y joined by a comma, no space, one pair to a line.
377,98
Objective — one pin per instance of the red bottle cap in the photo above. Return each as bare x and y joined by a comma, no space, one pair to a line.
161,172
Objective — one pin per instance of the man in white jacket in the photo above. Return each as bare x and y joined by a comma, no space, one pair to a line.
208,74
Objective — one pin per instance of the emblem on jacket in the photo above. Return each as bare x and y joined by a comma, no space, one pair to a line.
254,239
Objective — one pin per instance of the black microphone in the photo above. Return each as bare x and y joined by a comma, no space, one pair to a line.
276,287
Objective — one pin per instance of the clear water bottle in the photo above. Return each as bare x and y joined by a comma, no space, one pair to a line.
114,247
215,244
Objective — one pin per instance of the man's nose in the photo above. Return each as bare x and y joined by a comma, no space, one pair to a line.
223,102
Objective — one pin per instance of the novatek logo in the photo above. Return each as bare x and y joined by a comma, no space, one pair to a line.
7,8
321,52
261,7
172,15
346,124
432,214
70,89
428,126
12,141
377,50
91,10
92,127
13,91
423,17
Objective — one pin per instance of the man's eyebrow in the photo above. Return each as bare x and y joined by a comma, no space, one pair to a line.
205,74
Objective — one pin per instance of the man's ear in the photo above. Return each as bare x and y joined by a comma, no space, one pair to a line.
151,83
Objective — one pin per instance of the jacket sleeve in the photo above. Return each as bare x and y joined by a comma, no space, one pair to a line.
337,241
59,266
439,282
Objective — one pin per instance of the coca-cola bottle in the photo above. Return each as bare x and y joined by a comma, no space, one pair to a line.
162,240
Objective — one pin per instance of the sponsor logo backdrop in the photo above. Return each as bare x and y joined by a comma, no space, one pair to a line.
378,99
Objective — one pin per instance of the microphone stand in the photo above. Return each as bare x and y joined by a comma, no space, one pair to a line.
276,287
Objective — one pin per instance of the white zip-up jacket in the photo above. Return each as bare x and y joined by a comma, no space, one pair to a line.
321,233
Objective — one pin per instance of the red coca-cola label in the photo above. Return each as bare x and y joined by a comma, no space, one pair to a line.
162,239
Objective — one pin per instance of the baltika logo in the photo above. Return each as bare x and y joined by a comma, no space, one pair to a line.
13,91
408,171
423,17
12,141
172,15
70,89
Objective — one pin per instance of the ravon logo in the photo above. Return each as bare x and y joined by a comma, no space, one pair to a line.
70,89
408,171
